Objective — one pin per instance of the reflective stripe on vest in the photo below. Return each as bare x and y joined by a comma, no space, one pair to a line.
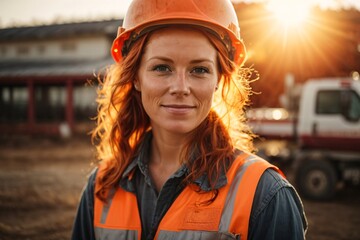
118,218
189,217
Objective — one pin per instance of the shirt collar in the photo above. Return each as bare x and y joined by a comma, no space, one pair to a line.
140,162
141,158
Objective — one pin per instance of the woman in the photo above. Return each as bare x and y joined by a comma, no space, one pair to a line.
175,153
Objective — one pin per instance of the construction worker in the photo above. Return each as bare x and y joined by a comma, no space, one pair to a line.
175,153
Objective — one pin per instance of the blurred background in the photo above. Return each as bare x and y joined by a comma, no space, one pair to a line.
305,108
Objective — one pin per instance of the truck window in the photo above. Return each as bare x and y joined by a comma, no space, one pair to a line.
328,102
354,108
344,102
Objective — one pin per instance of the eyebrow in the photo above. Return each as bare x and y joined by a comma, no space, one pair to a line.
165,59
202,60
195,61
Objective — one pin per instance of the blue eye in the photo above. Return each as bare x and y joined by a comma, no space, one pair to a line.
161,68
200,70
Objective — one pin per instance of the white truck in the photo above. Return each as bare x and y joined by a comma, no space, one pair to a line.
321,139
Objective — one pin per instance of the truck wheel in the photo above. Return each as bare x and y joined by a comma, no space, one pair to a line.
316,180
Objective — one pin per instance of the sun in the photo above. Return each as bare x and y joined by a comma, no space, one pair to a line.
289,13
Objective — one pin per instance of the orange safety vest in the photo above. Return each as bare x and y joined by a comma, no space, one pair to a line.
188,217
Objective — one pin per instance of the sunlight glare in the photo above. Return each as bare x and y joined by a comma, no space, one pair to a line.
289,12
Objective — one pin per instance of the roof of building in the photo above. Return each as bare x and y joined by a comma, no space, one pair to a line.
108,27
34,69
25,69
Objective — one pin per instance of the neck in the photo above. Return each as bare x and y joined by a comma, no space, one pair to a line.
166,149
165,157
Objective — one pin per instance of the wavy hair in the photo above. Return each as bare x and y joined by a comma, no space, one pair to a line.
122,121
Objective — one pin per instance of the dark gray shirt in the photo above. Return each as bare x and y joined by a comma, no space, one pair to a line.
277,211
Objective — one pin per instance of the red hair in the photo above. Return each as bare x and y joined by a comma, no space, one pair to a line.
122,122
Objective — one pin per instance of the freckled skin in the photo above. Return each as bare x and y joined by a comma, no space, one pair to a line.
177,79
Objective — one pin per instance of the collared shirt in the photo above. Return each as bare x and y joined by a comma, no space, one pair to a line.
277,211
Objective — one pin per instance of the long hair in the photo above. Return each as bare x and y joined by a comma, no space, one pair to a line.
122,122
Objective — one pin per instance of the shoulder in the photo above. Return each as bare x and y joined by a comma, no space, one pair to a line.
92,177
89,190
83,223
262,181
276,203
270,183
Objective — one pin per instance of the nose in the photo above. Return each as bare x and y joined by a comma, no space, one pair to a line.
180,85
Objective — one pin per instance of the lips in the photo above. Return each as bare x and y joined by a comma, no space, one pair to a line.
178,108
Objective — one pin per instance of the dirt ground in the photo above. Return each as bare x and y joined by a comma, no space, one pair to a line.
41,181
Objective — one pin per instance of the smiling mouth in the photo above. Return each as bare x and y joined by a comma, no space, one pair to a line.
178,109
178,106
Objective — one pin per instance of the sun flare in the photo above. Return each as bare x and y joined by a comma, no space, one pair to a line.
289,13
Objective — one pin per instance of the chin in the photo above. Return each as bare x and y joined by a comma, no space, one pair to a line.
180,128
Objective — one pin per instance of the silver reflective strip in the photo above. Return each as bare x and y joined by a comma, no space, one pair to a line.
115,234
196,235
106,207
230,198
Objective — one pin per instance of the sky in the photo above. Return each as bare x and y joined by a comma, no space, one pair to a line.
30,12
25,12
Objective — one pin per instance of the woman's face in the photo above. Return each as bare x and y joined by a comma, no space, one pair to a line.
177,78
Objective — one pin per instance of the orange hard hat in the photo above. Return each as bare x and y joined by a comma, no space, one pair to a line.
215,15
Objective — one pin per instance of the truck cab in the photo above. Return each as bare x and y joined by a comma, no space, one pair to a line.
329,115
319,140
328,134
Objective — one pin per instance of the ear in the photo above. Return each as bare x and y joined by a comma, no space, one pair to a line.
137,85
218,83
